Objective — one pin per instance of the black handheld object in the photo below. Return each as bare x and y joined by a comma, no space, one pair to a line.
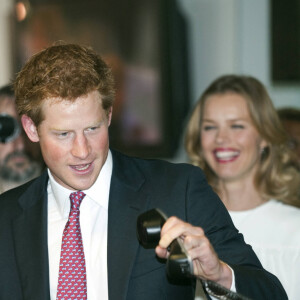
149,224
179,263
9,128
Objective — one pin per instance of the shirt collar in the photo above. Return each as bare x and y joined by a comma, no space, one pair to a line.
98,192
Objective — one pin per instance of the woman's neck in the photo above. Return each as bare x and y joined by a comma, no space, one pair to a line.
239,195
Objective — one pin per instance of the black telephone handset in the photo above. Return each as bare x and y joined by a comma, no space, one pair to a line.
179,264
149,224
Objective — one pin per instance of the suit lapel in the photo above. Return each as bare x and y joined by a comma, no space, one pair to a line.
127,200
30,232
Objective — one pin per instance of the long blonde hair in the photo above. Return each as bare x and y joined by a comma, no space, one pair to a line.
277,176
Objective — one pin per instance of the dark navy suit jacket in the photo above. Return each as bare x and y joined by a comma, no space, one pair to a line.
133,272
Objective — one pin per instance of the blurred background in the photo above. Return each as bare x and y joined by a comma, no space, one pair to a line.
163,53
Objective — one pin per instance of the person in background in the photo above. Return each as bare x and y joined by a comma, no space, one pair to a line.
88,200
290,119
17,157
235,135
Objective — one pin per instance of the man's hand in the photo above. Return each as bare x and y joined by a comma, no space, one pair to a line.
206,263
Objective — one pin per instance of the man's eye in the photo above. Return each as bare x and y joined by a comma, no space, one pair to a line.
92,129
62,134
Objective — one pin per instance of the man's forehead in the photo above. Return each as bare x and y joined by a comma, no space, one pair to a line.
58,100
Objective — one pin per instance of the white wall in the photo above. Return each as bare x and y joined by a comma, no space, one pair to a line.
232,36
5,51
213,38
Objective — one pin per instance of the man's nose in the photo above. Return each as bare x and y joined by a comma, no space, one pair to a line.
81,147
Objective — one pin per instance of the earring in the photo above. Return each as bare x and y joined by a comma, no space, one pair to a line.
264,151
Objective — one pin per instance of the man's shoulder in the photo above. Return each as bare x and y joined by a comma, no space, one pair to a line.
14,194
150,165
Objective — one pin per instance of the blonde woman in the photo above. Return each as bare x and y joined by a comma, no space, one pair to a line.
234,134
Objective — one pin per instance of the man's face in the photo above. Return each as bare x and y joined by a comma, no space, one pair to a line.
73,139
15,164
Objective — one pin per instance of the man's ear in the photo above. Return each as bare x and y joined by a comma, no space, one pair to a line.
30,128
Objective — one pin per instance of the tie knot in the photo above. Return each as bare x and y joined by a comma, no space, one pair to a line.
76,198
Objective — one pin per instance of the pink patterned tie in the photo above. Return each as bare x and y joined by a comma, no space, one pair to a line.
72,274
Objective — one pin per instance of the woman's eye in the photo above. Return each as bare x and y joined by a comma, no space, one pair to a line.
237,126
208,127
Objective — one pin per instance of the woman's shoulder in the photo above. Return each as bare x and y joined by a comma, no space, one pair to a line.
280,209
277,212
270,209
272,223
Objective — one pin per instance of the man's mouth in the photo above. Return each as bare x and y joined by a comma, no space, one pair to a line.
82,167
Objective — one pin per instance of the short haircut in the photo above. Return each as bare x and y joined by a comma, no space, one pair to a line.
63,71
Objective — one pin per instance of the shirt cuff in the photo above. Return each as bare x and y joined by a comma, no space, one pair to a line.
232,288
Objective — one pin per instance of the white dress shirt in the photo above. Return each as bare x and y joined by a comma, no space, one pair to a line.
93,221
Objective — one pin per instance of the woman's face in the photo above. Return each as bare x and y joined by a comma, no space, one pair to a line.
230,143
